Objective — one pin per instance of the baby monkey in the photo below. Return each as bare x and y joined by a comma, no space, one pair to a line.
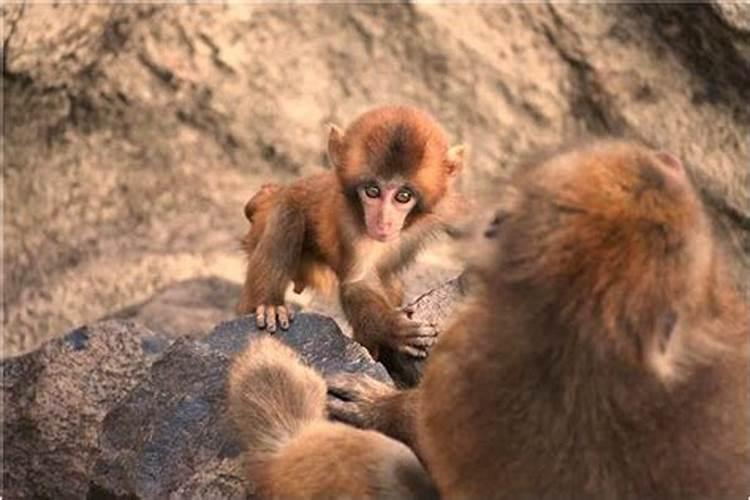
605,356
390,191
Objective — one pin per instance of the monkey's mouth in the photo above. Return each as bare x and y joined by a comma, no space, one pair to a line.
381,235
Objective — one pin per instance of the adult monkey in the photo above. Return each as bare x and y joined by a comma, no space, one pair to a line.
390,191
606,355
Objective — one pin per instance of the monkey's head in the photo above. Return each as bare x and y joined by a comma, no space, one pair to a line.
394,164
610,244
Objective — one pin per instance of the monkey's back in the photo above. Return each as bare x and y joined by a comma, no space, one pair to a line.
506,418
502,421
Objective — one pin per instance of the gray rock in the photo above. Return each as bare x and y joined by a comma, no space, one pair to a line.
317,338
114,409
56,398
192,307
435,306
178,441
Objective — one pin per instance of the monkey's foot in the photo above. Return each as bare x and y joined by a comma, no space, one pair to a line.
413,337
353,398
268,316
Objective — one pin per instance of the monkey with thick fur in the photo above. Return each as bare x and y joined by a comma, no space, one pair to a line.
390,191
278,406
605,356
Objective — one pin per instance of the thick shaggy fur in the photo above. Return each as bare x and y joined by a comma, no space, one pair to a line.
312,233
278,407
606,355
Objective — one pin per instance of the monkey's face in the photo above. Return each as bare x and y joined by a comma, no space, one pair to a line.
385,206
393,142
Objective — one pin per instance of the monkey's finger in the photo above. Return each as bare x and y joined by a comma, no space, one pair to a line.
260,316
426,341
291,314
356,387
340,393
344,411
422,330
342,385
413,351
271,319
428,330
283,314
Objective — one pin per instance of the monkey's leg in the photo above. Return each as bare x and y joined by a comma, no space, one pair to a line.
364,402
376,323
272,266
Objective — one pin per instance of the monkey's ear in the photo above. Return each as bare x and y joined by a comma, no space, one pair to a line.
455,159
251,206
335,145
670,160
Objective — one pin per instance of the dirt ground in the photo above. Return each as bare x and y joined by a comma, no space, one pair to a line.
134,134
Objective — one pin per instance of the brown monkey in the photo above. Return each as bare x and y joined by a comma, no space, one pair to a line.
605,356
278,406
391,190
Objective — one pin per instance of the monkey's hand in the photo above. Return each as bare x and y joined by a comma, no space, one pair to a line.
353,398
376,323
411,337
268,316
365,402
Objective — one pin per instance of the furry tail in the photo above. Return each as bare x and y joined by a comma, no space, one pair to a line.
272,396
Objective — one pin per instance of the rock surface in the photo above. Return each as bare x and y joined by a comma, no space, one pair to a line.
134,133
189,308
115,409
118,409
56,399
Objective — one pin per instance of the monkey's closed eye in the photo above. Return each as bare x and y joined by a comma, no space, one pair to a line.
372,191
404,196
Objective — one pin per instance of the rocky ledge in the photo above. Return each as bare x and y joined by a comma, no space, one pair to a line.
119,410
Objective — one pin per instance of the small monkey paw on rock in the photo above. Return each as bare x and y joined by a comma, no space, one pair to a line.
268,317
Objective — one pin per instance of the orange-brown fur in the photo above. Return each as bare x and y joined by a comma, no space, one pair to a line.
606,355
278,407
312,227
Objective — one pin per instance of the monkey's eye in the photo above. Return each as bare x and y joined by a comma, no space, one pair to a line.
403,196
372,191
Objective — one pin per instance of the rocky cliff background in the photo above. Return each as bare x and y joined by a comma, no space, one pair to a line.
133,134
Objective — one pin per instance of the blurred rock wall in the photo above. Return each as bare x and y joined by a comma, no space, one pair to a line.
133,134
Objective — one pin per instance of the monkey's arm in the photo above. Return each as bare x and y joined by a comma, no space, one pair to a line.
375,321
367,403
394,290
272,264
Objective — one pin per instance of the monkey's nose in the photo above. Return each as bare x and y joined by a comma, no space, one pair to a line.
383,226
